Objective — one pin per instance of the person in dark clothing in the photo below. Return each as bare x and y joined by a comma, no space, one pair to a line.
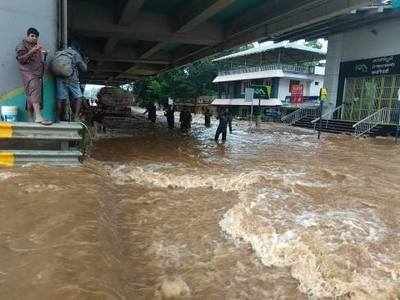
151,111
222,127
170,114
185,120
207,117
230,119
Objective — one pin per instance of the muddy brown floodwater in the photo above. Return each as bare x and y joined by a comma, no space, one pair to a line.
272,214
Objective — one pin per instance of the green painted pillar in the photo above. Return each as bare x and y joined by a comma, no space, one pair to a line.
275,87
17,98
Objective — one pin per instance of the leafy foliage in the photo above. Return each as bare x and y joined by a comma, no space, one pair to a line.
185,83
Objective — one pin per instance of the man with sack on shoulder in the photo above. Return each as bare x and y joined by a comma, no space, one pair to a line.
66,66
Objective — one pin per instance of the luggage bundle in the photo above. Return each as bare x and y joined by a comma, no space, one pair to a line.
116,98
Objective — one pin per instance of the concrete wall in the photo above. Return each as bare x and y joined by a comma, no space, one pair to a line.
313,88
283,90
16,17
367,42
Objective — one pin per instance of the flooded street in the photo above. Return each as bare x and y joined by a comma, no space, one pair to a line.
272,214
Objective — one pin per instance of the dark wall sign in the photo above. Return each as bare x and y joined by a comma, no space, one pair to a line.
387,65
379,66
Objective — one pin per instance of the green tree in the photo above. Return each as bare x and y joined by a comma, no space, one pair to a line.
186,83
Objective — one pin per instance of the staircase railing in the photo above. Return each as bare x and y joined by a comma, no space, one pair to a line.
337,111
300,114
380,117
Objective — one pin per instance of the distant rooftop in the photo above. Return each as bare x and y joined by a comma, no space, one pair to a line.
296,47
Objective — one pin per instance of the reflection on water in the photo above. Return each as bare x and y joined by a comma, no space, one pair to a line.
272,214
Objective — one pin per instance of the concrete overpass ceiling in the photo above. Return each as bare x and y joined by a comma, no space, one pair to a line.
142,37
228,15
162,6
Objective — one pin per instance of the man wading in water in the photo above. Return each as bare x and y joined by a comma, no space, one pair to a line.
222,127
185,119
30,56
170,115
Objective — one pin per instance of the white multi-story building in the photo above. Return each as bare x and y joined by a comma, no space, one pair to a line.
281,66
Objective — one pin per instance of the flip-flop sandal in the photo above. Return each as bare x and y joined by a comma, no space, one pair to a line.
46,123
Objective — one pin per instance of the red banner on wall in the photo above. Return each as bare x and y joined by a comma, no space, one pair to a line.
297,93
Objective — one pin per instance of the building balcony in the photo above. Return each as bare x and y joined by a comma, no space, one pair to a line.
272,67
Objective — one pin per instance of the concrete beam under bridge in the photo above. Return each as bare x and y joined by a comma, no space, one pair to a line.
172,34
277,23
145,27
189,21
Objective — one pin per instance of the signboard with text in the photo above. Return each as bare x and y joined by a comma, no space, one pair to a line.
262,91
386,65
297,93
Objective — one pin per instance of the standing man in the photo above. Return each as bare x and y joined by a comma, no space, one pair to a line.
222,127
68,87
30,56
230,119
185,119
207,117
151,111
170,115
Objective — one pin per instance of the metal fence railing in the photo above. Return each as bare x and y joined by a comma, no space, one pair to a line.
270,67
384,116
301,113
334,114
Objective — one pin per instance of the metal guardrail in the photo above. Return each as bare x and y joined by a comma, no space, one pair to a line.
300,114
32,131
13,158
30,143
380,117
271,67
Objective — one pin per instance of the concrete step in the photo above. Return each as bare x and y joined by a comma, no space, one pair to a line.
340,126
331,126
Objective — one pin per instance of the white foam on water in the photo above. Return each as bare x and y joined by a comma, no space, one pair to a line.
189,179
7,175
39,188
330,252
354,225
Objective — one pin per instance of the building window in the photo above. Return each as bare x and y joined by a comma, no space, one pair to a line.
244,85
317,83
